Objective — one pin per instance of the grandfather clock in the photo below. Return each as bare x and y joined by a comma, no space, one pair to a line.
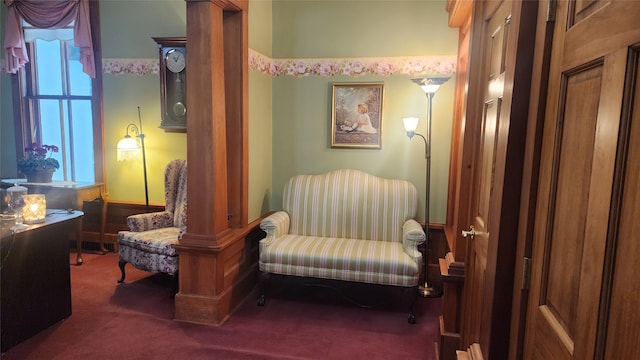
173,78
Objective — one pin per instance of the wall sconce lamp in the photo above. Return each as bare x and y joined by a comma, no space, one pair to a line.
35,208
128,149
429,85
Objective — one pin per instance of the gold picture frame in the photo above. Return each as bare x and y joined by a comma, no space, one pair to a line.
356,115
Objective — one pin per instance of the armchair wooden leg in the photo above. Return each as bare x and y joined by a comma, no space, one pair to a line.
121,264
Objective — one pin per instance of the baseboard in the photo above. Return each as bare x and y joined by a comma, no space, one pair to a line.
449,343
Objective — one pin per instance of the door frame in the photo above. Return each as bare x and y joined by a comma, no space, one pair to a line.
507,298
535,121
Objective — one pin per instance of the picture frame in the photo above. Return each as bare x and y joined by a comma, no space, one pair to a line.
356,115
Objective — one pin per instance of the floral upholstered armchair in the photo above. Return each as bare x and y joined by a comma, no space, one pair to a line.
149,244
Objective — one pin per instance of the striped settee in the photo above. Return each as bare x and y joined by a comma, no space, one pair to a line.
344,225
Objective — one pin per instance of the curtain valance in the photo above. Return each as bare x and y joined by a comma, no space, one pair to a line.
47,14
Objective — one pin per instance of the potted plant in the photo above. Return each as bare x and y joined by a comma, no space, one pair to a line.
38,164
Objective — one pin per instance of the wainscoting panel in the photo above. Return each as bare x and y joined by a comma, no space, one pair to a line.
116,220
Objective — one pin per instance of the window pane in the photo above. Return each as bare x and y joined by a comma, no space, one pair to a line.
51,132
50,120
49,67
68,167
80,83
82,125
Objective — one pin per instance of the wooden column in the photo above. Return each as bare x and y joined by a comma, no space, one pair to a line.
216,268
206,130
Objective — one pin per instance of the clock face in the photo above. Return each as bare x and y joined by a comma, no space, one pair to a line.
175,60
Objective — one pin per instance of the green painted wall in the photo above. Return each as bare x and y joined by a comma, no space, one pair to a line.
127,29
289,118
302,106
325,28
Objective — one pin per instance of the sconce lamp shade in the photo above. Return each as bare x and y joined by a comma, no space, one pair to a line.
410,125
431,84
35,208
128,148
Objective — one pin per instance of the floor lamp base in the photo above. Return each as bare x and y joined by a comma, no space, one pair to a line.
428,291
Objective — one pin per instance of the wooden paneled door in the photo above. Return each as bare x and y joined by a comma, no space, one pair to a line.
584,287
499,84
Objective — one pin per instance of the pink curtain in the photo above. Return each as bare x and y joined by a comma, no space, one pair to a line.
47,14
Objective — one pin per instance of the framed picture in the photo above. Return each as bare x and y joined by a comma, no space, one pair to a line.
356,116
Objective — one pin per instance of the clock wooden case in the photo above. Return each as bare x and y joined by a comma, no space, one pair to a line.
173,78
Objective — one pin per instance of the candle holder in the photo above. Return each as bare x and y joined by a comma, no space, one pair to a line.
35,209
16,203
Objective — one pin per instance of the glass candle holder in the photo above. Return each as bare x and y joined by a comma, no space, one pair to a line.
16,203
35,208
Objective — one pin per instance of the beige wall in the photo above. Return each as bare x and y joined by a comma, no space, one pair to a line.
260,113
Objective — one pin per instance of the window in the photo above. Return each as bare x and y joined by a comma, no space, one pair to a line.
60,104
58,97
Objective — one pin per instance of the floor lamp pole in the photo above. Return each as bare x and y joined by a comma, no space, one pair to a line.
144,162
427,290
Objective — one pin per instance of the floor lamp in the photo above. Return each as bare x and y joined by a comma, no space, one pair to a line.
128,149
429,85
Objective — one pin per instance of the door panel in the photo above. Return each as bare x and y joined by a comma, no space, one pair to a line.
489,134
578,204
570,199
584,9
624,313
576,229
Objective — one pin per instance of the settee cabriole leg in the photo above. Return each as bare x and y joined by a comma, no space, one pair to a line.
121,264
261,279
411,319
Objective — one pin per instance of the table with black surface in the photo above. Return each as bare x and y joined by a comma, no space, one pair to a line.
35,277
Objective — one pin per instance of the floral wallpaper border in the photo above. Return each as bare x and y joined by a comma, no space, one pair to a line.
353,67
130,66
325,67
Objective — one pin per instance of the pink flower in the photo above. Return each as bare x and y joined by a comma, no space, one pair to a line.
297,68
325,69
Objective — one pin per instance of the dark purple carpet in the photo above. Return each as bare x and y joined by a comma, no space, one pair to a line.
135,321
